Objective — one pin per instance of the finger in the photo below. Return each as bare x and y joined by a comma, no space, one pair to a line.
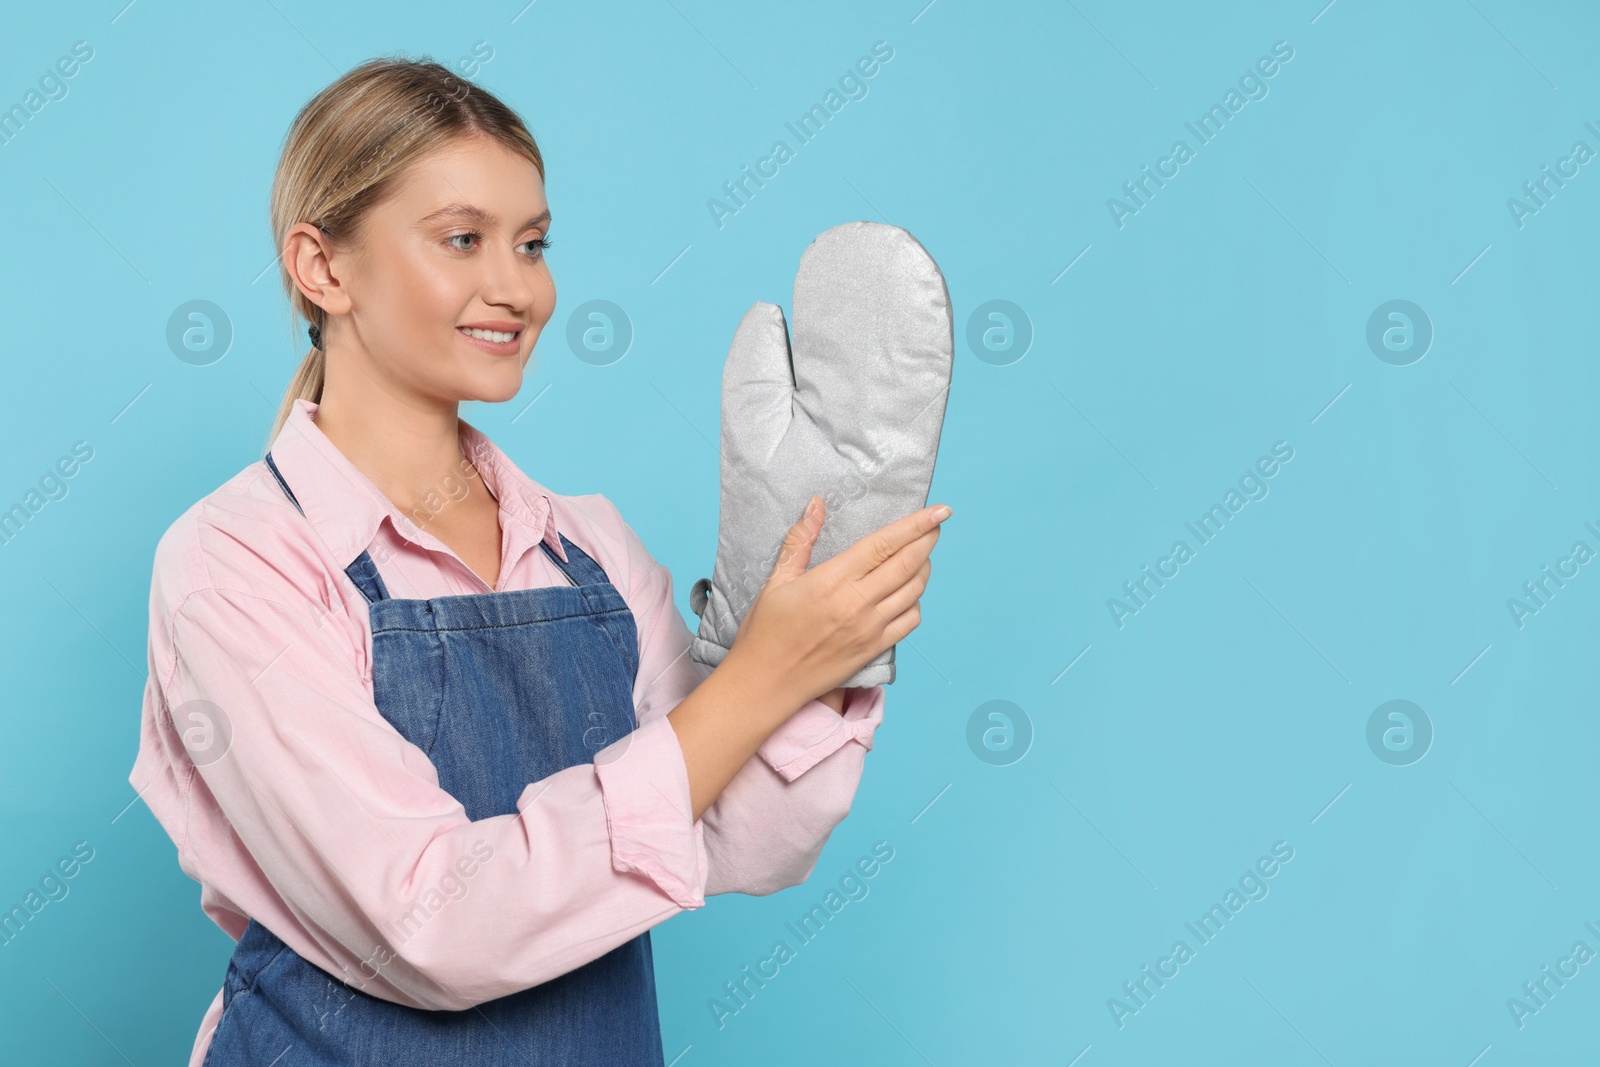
898,600
879,545
900,627
899,572
795,555
898,569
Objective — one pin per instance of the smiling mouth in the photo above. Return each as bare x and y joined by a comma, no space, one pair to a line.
497,337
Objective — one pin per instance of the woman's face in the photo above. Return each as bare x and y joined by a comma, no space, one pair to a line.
456,246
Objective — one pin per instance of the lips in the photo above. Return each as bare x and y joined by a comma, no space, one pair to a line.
500,339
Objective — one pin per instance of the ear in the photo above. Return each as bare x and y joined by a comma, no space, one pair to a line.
308,257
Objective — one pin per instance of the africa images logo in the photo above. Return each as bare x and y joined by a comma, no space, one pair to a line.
810,123
1206,128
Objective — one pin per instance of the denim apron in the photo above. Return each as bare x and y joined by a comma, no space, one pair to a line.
500,690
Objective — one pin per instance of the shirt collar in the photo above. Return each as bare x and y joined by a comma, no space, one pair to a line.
345,508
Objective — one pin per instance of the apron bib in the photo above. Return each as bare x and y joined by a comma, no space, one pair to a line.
500,690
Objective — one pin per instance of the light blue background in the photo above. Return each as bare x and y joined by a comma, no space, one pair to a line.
1228,314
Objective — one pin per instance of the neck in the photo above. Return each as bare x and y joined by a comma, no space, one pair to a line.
409,448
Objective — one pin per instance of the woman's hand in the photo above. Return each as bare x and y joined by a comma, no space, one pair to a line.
809,630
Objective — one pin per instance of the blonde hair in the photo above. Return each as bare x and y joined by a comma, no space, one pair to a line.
345,152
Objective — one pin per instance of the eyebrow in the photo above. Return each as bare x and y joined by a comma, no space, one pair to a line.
477,216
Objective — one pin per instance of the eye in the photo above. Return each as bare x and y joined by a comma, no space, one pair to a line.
540,243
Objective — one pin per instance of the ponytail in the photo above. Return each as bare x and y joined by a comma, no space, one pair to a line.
305,385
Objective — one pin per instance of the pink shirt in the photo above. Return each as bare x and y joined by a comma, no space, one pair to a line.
305,809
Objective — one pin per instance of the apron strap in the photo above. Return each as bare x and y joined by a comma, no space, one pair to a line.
363,572
276,473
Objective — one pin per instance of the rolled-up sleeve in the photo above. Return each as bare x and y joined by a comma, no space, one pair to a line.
646,787
376,871
767,829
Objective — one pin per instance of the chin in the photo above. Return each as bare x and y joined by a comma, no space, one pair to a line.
494,389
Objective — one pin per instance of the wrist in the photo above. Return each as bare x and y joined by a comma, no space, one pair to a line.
759,688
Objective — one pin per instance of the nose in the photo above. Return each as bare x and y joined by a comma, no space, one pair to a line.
510,280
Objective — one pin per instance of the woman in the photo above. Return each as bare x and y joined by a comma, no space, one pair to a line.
425,731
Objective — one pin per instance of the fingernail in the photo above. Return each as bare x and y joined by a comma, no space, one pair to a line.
942,512
811,508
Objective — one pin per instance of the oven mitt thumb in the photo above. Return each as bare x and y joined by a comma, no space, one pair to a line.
850,411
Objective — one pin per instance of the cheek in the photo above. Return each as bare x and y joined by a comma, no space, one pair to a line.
416,296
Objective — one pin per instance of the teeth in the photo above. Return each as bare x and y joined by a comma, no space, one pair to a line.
490,335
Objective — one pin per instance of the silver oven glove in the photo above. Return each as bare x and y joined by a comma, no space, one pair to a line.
851,412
